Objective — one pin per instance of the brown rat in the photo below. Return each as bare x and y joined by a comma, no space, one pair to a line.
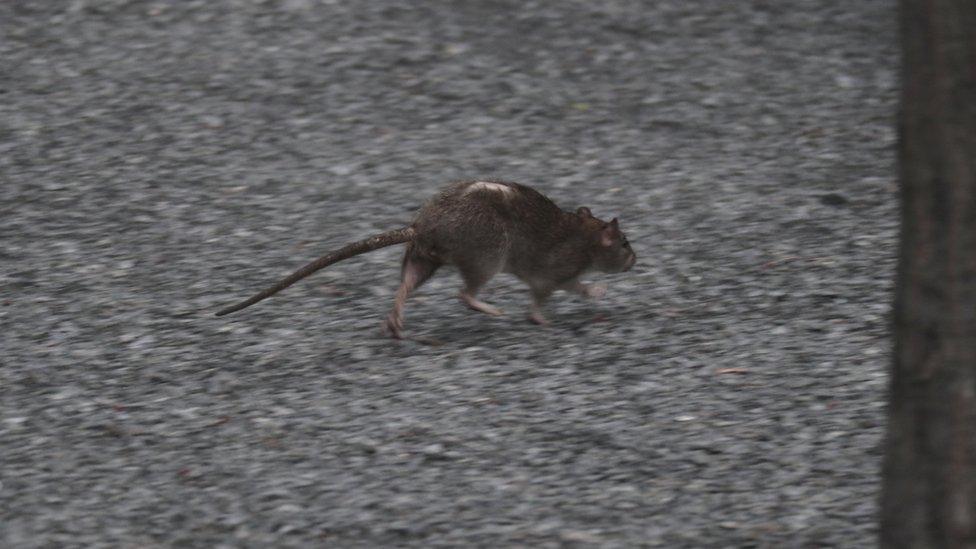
485,228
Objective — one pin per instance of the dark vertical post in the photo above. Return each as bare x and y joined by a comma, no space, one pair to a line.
929,486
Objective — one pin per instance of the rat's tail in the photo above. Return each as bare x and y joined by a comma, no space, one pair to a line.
382,240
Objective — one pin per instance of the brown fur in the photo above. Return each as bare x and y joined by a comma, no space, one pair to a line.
485,228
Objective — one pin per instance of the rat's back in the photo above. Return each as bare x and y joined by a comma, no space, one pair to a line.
474,217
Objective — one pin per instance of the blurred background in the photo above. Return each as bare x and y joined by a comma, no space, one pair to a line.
161,159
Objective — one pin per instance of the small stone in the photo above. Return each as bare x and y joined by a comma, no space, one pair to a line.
361,353
435,450
833,199
579,536
212,121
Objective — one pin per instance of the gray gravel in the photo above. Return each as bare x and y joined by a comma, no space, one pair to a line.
161,159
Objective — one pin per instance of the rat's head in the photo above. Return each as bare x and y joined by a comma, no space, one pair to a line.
611,252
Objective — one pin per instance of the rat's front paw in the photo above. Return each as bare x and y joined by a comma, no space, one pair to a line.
394,326
481,306
536,318
592,291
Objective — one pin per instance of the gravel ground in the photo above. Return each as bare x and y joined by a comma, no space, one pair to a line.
159,160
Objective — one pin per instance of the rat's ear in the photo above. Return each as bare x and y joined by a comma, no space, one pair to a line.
607,235
583,211
610,233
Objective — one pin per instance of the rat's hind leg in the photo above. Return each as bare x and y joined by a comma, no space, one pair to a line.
539,296
416,270
475,276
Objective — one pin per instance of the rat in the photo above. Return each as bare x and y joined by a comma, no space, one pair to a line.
484,228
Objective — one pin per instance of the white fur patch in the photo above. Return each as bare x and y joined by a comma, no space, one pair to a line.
489,186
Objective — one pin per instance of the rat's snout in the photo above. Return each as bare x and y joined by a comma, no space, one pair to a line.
630,262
